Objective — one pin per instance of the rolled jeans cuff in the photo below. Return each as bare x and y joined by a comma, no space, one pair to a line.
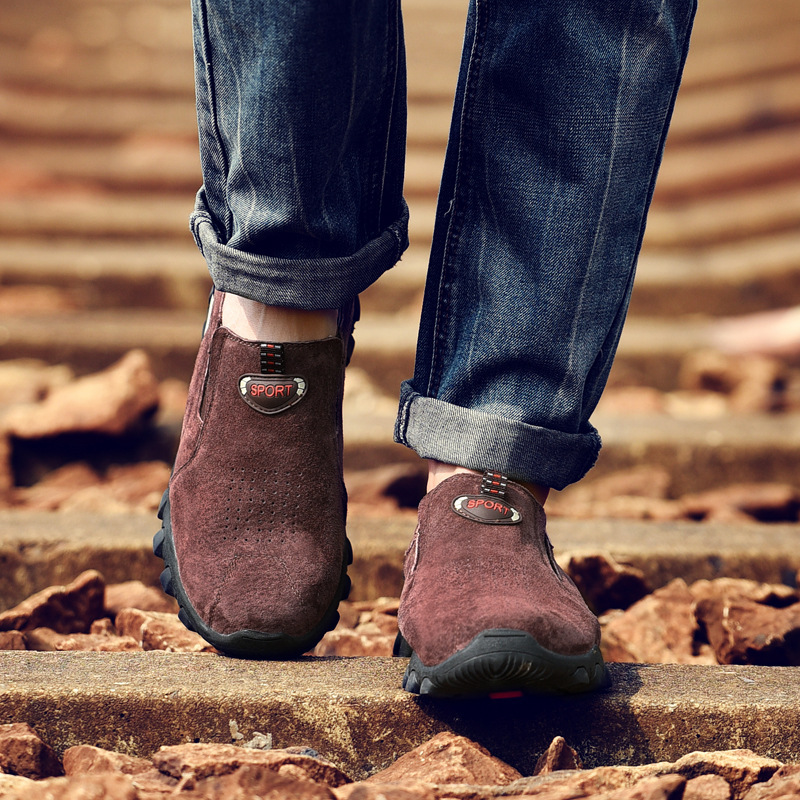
304,283
479,440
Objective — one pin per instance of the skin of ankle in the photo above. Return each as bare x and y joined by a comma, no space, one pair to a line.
256,321
439,471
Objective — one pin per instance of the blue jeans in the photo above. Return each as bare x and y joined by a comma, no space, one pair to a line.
561,111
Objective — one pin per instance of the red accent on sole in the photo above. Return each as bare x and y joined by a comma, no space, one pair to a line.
504,695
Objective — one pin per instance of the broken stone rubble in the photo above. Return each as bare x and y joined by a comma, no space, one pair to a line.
447,766
723,621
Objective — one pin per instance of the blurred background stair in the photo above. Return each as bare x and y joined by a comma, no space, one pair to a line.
99,166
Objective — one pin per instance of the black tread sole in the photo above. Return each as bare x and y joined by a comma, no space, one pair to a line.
244,643
503,660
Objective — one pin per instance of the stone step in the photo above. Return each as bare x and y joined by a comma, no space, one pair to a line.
704,222
42,549
745,277
650,352
354,713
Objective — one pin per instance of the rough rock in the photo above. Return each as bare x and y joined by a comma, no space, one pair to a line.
771,594
663,787
448,758
393,486
135,594
783,785
46,639
65,609
558,756
605,583
740,768
84,758
344,642
660,628
155,630
407,790
12,640
707,787
83,787
23,753
15,784
204,760
27,380
745,632
622,400
111,402
765,502
58,487
751,383
257,782
139,484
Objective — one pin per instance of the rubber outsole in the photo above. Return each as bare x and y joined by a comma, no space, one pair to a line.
243,643
503,660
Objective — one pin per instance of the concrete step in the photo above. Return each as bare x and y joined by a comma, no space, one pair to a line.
42,549
754,275
353,712
650,352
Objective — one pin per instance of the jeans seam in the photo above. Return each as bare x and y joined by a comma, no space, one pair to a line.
443,314
208,76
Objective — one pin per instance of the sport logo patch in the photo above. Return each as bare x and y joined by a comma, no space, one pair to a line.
271,394
483,508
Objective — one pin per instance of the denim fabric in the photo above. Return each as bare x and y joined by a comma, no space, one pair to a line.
559,124
561,112
301,116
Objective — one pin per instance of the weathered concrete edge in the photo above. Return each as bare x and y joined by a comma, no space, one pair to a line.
353,711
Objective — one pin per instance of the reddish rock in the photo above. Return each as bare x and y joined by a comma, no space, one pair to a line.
84,758
155,630
744,632
110,402
784,784
623,400
659,629
12,640
26,380
206,760
65,609
448,758
663,787
257,782
138,485
605,583
57,487
407,790
771,594
765,502
741,769
558,756
135,594
707,787
15,785
46,639
752,383
23,753
83,787
345,642
393,486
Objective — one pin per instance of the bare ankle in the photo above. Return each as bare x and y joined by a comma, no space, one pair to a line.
252,320
438,471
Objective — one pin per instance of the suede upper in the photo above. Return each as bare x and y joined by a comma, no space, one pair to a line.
257,502
463,576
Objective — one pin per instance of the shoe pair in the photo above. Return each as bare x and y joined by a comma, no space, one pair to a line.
255,550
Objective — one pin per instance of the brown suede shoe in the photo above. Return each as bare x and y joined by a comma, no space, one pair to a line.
253,533
485,608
